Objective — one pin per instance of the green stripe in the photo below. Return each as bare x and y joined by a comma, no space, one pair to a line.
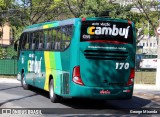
58,60
52,60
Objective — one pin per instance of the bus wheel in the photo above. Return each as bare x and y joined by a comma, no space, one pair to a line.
23,83
54,98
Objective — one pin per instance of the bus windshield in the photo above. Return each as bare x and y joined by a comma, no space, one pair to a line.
107,31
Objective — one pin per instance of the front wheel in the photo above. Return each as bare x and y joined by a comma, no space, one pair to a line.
23,82
54,98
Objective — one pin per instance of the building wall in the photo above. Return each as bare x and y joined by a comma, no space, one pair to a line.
149,45
5,40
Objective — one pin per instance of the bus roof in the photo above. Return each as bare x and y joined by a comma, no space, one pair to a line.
52,24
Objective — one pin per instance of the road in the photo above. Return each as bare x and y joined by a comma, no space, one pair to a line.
12,95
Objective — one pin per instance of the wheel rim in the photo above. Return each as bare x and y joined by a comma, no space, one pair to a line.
51,90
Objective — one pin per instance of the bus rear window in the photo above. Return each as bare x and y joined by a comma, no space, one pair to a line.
106,31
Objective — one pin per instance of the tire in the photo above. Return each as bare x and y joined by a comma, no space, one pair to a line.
23,83
53,97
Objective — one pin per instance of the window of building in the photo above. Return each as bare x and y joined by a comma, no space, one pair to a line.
143,44
154,44
147,44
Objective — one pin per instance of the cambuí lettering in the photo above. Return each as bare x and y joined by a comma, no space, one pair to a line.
114,31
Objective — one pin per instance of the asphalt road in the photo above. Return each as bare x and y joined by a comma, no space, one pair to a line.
12,95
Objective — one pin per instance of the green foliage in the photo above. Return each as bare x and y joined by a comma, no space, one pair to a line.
8,52
37,11
90,8
3,53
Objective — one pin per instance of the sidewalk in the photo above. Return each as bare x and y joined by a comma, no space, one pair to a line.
9,80
136,86
146,86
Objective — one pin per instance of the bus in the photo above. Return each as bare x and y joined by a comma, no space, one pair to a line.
79,58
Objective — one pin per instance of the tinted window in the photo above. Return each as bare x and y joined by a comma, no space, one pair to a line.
106,30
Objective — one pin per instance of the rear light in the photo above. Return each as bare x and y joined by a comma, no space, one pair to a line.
131,77
83,19
129,22
76,76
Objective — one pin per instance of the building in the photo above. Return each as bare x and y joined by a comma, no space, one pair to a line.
6,38
148,45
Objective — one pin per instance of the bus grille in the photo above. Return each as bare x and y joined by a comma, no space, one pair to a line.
65,83
106,55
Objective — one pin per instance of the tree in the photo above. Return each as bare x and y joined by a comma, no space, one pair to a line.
150,13
36,11
107,8
90,8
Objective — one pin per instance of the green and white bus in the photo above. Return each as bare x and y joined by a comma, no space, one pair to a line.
79,58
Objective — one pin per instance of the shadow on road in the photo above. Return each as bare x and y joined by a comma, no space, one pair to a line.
9,88
78,103
11,100
135,102
39,91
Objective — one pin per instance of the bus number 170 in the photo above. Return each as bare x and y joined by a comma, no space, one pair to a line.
122,65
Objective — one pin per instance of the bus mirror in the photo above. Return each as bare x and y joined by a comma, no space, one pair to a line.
16,45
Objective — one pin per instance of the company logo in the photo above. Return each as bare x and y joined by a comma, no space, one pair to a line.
104,92
114,31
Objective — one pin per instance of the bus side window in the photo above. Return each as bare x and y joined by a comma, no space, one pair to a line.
49,39
61,37
66,36
57,45
36,36
57,39
33,41
48,46
30,40
21,42
41,40
27,41
24,42
54,33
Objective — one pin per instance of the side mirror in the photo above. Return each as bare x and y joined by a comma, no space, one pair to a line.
16,45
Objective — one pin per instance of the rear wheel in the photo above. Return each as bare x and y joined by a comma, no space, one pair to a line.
54,97
23,82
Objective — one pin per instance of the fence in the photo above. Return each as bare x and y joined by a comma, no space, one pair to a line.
8,67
